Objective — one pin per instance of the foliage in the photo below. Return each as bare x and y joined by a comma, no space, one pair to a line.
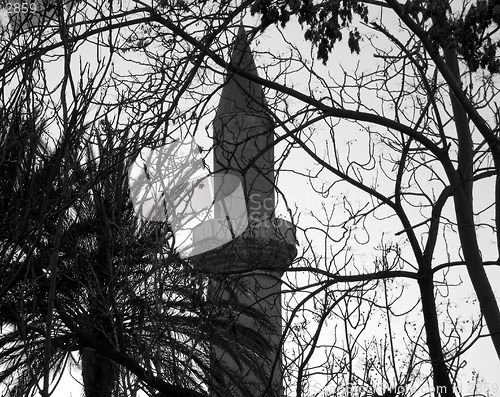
324,21
471,32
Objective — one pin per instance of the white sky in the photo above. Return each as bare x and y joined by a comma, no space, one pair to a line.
482,356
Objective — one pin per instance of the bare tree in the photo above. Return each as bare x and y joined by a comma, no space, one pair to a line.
397,150
425,141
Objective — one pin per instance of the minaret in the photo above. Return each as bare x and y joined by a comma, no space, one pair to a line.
245,273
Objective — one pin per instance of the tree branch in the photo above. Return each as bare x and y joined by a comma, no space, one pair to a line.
110,352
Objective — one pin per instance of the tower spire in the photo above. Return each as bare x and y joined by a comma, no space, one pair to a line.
243,135
239,93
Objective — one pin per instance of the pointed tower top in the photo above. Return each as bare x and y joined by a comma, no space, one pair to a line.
241,56
243,134
240,94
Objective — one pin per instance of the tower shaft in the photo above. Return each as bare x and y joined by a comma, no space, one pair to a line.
245,274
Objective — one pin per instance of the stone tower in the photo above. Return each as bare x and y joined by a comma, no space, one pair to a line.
245,273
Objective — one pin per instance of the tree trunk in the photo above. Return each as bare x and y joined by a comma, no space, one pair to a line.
462,185
474,264
99,374
440,375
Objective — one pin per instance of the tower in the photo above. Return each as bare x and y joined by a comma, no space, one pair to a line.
245,273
